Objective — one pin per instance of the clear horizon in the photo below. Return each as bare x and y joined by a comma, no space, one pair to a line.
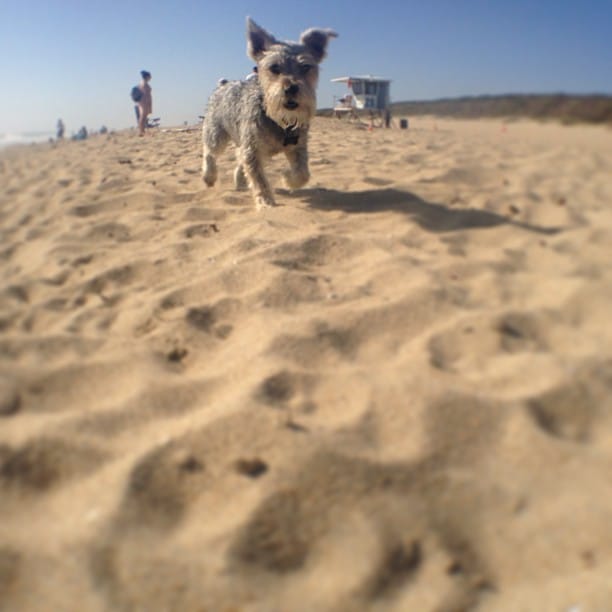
78,62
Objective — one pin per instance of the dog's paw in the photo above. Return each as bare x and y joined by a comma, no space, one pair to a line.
240,182
295,180
209,174
210,178
262,202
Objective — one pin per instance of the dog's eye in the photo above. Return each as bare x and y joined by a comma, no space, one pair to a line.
275,69
305,68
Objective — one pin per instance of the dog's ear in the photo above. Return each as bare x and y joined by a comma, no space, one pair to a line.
315,40
258,40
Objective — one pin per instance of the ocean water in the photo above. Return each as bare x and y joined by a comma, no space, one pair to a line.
7,139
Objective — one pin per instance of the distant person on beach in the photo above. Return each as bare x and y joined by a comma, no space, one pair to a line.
387,117
252,74
60,129
81,134
144,106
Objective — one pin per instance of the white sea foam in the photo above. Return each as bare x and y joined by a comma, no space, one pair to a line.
12,138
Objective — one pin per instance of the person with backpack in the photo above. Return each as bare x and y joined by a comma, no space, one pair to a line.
141,95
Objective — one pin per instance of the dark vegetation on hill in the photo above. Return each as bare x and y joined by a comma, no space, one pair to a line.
560,107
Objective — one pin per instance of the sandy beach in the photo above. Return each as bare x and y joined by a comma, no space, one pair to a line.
393,392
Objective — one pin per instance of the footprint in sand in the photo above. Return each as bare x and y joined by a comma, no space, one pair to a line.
218,319
161,487
579,409
291,289
314,252
286,388
478,339
42,463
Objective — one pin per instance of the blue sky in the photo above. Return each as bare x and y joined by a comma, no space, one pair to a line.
78,59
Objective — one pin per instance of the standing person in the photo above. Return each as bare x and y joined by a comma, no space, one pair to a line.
60,129
145,104
387,117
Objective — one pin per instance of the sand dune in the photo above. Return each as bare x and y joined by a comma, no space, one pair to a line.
393,392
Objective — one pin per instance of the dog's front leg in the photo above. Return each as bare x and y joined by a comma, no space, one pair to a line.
298,174
254,172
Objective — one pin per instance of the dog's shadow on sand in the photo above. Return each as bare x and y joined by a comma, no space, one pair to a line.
431,216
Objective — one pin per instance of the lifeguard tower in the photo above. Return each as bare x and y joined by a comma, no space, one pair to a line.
369,93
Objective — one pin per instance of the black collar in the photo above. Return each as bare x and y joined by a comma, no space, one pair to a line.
292,135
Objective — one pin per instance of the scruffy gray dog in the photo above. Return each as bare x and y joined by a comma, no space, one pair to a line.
268,114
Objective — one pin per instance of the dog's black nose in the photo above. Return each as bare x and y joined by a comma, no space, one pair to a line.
292,90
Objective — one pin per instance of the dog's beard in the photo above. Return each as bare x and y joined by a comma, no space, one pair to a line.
289,118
